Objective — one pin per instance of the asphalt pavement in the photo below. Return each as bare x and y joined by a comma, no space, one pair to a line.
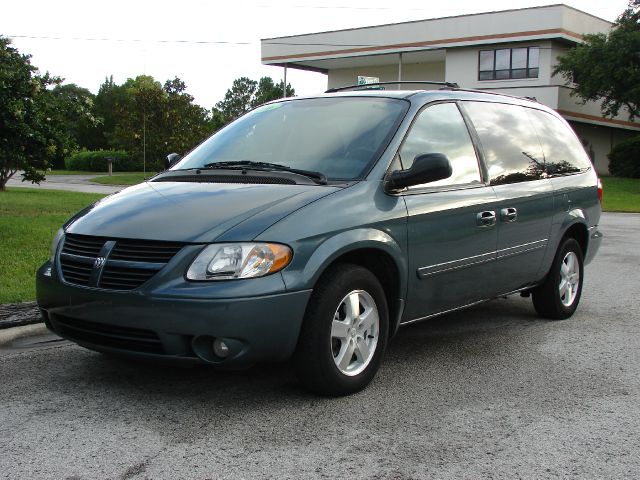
489,392
71,183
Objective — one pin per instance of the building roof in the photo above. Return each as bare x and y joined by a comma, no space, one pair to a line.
423,38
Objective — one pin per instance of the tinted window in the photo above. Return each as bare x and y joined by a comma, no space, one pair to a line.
563,151
509,142
441,129
505,63
486,61
340,137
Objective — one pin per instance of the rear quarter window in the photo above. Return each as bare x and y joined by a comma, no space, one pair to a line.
563,151
509,142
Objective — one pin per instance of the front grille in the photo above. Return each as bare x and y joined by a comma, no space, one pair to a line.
141,250
83,245
127,265
118,278
75,271
101,334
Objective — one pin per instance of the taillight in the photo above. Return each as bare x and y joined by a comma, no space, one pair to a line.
600,191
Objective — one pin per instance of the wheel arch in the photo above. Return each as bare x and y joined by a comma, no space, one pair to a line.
374,250
580,233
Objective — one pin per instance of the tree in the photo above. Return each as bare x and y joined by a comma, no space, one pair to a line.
246,94
98,137
30,135
238,98
186,123
267,91
139,119
150,120
607,66
73,111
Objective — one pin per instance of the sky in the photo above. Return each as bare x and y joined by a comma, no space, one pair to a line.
86,41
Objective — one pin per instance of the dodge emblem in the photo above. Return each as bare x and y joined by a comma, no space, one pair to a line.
99,262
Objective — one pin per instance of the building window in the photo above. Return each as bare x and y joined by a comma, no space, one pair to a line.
507,63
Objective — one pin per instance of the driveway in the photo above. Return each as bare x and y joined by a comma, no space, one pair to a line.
72,183
489,392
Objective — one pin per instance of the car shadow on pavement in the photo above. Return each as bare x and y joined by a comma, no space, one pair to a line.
481,330
424,358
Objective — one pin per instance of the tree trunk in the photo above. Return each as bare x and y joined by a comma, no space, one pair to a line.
5,175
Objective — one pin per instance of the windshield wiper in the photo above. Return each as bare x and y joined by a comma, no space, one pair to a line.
317,177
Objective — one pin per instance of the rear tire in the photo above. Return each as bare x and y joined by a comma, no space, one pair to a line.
558,297
344,333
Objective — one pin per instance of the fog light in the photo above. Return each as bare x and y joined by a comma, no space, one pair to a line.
220,348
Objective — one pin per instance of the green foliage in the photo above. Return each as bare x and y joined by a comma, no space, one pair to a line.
96,161
73,111
238,98
43,121
149,120
246,94
624,159
268,91
97,138
607,66
186,124
29,134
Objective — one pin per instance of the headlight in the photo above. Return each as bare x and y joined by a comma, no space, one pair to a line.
54,244
227,261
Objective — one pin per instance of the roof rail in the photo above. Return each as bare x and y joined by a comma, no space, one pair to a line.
409,82
491,92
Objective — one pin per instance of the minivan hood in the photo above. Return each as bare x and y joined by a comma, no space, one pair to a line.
193,212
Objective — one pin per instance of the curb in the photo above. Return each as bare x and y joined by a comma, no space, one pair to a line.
19,314
10,336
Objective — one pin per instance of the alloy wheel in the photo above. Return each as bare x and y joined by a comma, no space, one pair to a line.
569,279
354,332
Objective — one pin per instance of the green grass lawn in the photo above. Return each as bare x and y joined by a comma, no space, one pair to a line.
621,194
28,221
122,178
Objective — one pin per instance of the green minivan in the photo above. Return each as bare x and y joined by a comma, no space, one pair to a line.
312,228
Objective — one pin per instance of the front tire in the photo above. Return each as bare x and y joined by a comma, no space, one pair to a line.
344,333
558,297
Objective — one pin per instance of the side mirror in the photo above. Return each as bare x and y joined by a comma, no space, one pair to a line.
172,159
426,168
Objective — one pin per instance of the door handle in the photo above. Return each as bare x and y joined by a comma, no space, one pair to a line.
486,219
509,214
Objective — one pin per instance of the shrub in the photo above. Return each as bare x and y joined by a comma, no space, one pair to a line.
624,159
96,161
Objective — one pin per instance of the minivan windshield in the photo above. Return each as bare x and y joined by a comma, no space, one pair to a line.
339,137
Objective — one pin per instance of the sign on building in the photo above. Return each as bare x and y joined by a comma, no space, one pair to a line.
367,80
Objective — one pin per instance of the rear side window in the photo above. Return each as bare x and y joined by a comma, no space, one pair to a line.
440,128
509,142
563,151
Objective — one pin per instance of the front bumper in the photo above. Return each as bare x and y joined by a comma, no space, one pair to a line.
172,327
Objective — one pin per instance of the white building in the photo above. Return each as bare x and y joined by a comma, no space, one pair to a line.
511,51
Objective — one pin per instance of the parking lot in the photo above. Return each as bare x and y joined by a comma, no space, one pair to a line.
489,392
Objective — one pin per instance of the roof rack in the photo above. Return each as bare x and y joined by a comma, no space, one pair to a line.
446,85
491,92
